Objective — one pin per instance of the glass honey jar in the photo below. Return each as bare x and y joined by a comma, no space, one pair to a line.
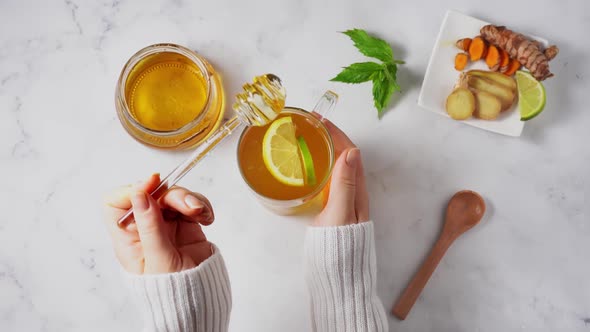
169,97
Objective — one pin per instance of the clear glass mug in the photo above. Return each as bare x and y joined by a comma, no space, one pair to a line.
279,198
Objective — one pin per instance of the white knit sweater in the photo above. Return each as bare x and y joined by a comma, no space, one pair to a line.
340,273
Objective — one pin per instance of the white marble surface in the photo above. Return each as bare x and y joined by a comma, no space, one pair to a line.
526,268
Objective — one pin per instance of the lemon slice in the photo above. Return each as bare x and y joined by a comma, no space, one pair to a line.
531,95
308,166
280,152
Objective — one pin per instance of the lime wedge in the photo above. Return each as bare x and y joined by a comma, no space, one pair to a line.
280,152
307,161
531,95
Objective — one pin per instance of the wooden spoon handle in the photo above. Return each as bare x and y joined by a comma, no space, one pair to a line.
410,295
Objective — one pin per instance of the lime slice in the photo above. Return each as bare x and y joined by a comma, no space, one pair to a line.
280,152
531,95
307,162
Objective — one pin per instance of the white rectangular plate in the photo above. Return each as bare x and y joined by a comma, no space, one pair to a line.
441,76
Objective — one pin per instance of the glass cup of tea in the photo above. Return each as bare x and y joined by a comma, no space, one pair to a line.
287,163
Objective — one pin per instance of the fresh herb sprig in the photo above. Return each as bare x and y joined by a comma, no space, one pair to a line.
383,75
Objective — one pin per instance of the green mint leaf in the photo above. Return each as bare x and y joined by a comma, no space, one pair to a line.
383,76
379,81
383,89
391,73
370,46
357,72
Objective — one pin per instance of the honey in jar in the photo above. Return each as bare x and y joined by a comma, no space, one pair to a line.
169,97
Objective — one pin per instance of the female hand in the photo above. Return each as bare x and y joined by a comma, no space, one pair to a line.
348,202
166,235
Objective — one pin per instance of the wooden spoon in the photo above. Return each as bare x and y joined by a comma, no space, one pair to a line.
465,210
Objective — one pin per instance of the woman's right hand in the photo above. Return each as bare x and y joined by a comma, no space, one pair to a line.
348,202
166,235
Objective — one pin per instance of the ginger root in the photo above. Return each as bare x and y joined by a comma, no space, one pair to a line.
487,106
478,83
460,104
499,78
461,60
529,53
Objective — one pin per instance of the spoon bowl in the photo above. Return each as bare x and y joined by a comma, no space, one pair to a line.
464,210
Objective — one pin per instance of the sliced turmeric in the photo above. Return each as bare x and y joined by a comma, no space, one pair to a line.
504,60
477,48
463,44
485,50
512,67
493,58
461,60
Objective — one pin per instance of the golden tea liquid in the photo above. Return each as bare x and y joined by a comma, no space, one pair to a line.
258,176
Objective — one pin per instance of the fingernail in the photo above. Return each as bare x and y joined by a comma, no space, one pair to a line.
352,157
206,217
208,214
193,202
139,201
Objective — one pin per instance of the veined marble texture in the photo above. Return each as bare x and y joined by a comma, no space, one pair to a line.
526,267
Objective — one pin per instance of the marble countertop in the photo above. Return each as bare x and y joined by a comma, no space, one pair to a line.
525,268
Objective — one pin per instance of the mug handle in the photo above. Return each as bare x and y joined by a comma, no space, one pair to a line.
326,104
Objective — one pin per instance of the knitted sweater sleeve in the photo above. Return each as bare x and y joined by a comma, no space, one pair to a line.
341,276
198,299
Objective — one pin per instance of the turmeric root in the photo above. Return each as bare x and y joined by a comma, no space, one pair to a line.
551,52
528,52
512,67
477,48
504,60
461,60
493,58
463,44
